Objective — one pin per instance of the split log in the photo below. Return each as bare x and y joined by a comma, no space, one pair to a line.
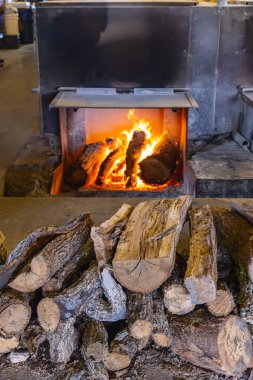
114,309
8,344
158,168
15,312
133,154
243,208
106,236
94,340
122,349
71,271
62,342
75,176
161,332
30,246
201,275
223,304
56,253
177,299
107,166
76,370
145,254
33,337
239,237
222,345
68,303
91,159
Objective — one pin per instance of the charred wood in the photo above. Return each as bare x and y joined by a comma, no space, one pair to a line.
133,153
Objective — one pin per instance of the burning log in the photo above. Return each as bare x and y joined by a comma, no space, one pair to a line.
15,312
63,341
71,271
133,153
92,158
94,340
223,304
123,348
201,275
145,254
107,165
159,167
55,254
106,236
177,299
226,347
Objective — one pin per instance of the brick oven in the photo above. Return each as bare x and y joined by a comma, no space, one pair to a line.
119,81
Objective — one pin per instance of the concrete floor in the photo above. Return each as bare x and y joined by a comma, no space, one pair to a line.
19,108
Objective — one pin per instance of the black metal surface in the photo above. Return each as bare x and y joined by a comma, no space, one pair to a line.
207,49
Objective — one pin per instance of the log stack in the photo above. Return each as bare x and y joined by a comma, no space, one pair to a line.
94,300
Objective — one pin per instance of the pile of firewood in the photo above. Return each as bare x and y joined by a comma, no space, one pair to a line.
98,298
106,163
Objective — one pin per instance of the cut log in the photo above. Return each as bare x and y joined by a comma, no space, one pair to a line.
8,344
140,319
114,309
223,304
68,303
145,254
177,299
122,349
62,342
53,256
239,237
243,208
201,275
94,340
30,246
107,166
222,345
75,176
33,337
15,312
106,236
71,271
133,154
91,159
158,168
3,250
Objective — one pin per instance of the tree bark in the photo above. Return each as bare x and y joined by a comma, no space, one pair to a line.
140,318
33,337
223,304
91,160
159,167
71,271
15,313
106,236
107,165
62,342
177,299
133,154
201,275
243,208
55,254
76,370
94,340
222,345
145,254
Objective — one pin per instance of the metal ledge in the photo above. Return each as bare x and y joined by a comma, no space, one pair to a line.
110,98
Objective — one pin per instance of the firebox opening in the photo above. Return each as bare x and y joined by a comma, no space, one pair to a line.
121,149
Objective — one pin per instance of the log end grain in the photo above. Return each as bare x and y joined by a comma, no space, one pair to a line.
8,344
178,300
48,314
14,318
141,329
223,304
202,289
116,362
162,340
